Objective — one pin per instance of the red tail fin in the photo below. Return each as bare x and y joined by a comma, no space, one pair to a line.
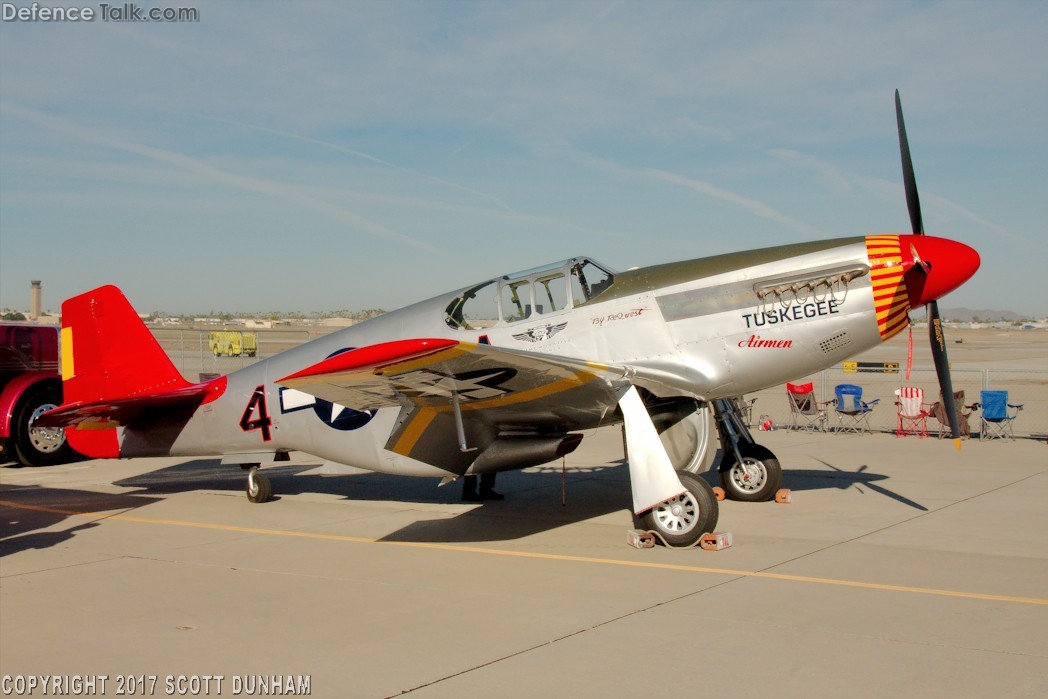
108,353
114,373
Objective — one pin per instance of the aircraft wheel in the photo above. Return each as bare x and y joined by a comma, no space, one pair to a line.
258,488
39,446
684,519
756,479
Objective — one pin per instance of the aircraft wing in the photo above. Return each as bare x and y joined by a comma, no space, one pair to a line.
470,405
498,390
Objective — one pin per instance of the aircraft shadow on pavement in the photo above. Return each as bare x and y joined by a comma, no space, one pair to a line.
810,479
34,508
532,504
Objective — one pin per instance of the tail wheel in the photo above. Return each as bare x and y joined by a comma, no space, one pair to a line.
38,446
259,489
756,479
683,520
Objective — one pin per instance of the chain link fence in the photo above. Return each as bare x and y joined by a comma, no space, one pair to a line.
191,353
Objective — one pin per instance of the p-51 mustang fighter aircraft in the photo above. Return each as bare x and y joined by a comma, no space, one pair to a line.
505,373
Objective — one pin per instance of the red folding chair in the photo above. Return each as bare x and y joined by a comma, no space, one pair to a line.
805,411
911,411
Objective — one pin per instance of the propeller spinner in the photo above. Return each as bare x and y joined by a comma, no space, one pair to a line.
937,266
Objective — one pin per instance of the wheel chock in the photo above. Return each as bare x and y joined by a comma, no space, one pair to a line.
715,541
783,496
719,492
640,539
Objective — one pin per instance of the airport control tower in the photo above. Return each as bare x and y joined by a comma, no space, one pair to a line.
35,297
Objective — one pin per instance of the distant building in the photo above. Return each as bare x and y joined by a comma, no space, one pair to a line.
336,322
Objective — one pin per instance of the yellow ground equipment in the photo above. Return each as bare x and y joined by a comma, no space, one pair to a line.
232,343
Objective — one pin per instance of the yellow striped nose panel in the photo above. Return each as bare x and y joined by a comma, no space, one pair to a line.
890,297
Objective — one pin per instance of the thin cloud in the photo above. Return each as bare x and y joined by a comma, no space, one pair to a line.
826,172
273,189
705,188
364,156
935,205
757,208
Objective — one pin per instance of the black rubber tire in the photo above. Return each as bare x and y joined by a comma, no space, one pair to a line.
683,520
39,447
258,488
740,485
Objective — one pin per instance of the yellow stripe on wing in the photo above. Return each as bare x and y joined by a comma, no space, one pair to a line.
424,417
414,431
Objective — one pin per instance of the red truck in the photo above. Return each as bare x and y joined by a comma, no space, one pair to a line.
30,383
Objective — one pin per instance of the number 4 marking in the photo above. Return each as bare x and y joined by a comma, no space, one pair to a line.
263,421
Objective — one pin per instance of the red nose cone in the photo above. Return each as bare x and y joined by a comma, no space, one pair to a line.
935,266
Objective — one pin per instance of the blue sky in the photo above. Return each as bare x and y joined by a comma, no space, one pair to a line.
314,156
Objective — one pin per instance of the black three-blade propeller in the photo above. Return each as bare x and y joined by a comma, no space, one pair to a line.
935,330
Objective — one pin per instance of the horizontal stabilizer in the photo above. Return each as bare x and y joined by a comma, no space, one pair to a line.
150,409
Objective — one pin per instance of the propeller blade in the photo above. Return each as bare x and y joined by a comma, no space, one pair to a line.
942,369
935,331
913,202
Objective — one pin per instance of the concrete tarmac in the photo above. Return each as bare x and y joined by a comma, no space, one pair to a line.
900,568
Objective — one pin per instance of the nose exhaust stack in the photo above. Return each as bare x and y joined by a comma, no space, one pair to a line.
936,267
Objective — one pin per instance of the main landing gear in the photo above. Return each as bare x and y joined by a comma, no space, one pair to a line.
683,520
748,471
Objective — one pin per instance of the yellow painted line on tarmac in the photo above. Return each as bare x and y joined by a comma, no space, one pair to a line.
534,555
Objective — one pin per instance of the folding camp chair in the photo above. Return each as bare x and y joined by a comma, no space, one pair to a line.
805,411
938,411
853,414
997,415
910,411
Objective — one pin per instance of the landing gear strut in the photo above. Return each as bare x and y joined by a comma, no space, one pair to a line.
748,471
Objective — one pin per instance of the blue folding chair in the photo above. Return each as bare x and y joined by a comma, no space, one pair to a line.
997,415
853,414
